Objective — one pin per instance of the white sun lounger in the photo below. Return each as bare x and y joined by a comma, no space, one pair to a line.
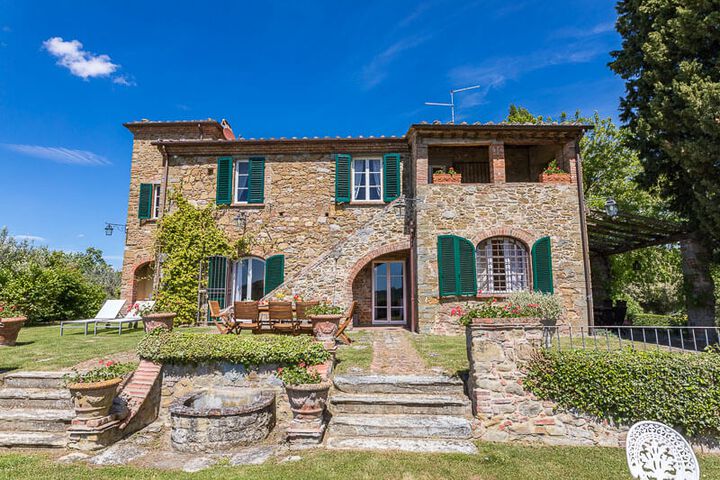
132,317
109,311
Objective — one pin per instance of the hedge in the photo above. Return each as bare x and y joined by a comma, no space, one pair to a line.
625,386
184,347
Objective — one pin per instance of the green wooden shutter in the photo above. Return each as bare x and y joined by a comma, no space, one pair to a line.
342,178
256,179
223,192
145,201
217,275
391,176
274,272
466,273
456,266
542,266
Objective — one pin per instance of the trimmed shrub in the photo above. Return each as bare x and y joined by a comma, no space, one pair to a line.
625,386
184,347
653,320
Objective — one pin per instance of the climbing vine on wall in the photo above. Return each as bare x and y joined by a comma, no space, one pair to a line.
186,236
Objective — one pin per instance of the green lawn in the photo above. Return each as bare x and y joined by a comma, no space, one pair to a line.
42,347
495,462
444,351
357,355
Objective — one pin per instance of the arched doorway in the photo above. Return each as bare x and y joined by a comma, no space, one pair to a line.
143,282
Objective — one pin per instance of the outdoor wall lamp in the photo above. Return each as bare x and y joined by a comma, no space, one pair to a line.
611,208
110,227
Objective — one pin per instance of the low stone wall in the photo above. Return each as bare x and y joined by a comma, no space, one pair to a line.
507,412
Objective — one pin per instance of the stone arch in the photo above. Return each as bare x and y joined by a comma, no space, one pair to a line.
517,233
365,259
137,286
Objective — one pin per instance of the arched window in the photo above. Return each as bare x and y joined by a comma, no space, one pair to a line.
249,279
502,265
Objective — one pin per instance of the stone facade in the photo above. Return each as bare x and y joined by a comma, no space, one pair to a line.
328,247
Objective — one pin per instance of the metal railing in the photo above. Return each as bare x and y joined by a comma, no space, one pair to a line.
679,339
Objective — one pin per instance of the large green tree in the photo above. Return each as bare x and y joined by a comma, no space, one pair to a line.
670,60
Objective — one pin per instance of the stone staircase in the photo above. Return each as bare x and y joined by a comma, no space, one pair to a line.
35,410
418,413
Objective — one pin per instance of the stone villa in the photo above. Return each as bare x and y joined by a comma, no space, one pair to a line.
372,219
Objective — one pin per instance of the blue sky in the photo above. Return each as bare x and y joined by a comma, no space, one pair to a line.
72,72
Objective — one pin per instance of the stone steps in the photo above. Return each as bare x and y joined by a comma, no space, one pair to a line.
34,379
35,420
401,426
424,445
399,403
33,439
52,398
405,384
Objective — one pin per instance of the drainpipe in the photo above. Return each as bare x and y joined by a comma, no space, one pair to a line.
584,236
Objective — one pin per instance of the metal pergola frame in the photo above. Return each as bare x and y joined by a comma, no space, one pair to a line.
625,232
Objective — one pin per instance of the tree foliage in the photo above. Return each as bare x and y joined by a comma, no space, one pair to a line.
670,61
186,237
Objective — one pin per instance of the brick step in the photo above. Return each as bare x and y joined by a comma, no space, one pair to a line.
33,439
399,384
52,398
383,444
34,379
35,420
405,403
401,426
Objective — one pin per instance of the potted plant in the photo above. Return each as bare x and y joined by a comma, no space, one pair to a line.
93,392
11,321
519,308
307,391
554,174
325,319
154,317
450,177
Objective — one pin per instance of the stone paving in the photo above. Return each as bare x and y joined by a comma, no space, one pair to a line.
393,353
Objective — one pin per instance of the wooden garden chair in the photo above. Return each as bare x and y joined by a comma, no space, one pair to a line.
222,319
303,324
281,318
247,316
344,322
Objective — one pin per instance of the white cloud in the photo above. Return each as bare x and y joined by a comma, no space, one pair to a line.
84,64
577,33
59,154
376,70
124,80
30,238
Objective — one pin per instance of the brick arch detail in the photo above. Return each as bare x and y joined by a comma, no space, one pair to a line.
367,258
517,233
144,261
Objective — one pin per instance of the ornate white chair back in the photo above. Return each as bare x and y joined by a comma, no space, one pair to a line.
657,452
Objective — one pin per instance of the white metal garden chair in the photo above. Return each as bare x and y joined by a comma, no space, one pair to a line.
657,452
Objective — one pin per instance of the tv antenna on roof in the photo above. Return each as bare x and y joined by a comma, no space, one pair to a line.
452,100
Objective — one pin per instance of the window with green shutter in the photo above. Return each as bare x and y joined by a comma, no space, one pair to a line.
256,180
542,266
342,178
391,176
145,201
274,272
224,193
217,279
456,266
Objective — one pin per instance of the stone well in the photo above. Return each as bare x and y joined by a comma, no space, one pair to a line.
218,419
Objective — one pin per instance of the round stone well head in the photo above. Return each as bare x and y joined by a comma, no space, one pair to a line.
219,419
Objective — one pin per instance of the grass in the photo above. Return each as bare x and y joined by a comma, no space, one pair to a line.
443,351
42,347
357,356
495,462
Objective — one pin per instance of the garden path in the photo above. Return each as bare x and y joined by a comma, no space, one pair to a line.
394,353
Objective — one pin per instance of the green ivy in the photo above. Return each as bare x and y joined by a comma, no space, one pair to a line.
193,348
625,386
186,236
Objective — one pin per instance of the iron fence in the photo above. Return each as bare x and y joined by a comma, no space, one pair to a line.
679,339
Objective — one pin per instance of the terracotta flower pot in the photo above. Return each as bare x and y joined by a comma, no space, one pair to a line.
308,401
151,321
555,178
9,329
93,400
325,326
444,178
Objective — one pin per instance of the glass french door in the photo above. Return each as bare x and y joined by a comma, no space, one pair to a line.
388,293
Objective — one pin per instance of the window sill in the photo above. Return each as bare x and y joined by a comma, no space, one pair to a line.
366,203
148,221
246,205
